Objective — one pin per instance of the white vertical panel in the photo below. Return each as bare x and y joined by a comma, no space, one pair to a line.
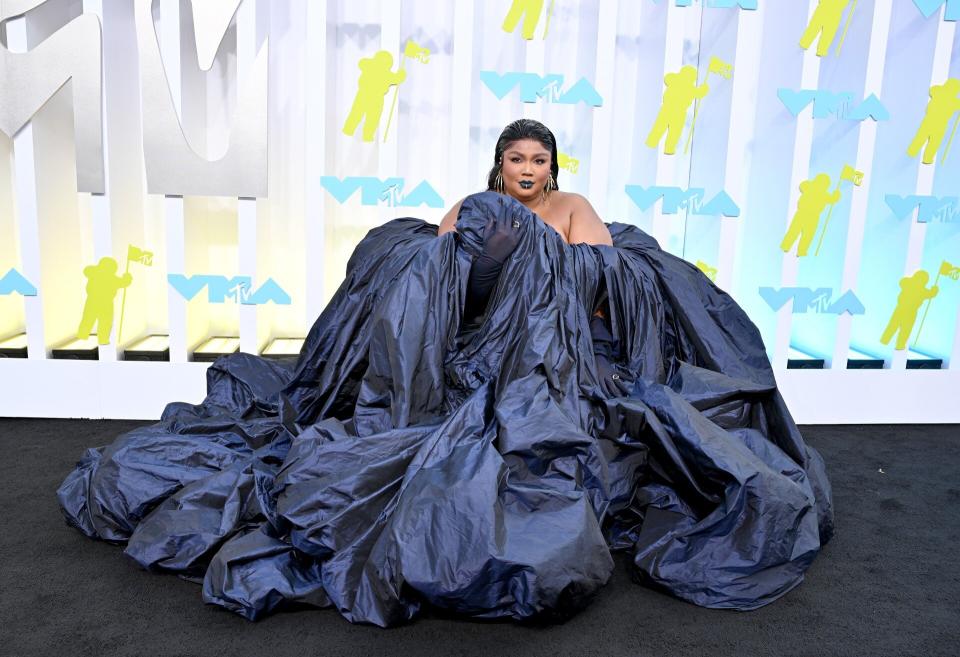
103,247
390,41
925,172
170,48
873,84
535,54
26,211
624,112
603,115
247,207
247,218
29,229
173,212
954,362
803,143
460,88
315,81
672,170
743,112
176,263
100,212
100,204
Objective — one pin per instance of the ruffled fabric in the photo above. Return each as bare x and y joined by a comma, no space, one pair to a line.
403,463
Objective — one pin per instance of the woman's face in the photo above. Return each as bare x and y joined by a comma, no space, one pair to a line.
526,169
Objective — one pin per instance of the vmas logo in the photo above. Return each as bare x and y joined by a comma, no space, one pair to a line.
533,87
374,191
826,103
221,288
14,281
930,209
675,198
815,301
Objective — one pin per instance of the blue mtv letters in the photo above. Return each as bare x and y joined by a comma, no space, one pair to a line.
930,208
533,87
839,104
818,300
219,288
373,191
675,198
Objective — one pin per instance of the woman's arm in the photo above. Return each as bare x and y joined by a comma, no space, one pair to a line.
585,223
449,219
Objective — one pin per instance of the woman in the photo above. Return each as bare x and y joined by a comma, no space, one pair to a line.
405,463
525,167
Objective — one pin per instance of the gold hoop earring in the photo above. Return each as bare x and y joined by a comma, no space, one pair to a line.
548,187
498,181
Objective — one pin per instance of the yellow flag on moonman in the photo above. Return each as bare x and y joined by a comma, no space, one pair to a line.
139,255
720,67
946,269
851,174
413,50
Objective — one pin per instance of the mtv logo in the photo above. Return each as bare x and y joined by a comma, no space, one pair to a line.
929,208
240,292
839,104
675,198
374,191
533,87
567,162
815,300
220,288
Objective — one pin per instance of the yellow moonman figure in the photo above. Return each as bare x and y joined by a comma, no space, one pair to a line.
102,286
529,10
376,78
944,102
682,89
815,195
825,22
913,292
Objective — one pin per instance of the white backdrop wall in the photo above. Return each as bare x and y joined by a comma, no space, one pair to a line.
292,221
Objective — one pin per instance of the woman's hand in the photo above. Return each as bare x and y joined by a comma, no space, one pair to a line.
501,234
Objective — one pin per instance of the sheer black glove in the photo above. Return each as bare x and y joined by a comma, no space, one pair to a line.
501,234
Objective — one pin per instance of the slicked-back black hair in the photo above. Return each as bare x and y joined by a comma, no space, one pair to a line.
524,129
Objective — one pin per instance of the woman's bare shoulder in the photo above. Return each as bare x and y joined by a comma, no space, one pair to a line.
571,197
585,224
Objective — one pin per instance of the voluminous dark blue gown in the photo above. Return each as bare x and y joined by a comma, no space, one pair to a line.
402,463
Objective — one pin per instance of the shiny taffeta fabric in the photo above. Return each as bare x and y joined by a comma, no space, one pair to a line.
404,463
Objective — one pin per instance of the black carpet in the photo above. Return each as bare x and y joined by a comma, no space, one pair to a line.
888,583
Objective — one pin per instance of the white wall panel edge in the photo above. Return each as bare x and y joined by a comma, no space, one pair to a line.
844,396
139,390
127,390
